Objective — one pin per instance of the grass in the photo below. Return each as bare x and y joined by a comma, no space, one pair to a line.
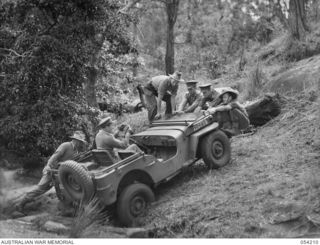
268,175
87,216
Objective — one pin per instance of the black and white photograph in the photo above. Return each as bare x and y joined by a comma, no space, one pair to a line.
170,119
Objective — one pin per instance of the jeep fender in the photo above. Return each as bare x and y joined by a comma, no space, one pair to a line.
195,138
108,189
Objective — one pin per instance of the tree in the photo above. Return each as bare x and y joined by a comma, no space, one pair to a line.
297,18
48,50
172,7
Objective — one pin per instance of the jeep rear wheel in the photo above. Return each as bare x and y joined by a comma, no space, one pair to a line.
76,181
133,202
215,149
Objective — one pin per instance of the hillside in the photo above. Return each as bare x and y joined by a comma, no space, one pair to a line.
269,189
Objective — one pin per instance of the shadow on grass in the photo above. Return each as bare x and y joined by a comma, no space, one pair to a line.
196,171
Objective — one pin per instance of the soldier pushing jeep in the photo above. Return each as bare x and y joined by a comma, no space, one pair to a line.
158,89
66,151
192,98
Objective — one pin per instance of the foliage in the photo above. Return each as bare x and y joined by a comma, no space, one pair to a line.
46,48
296,50
87,216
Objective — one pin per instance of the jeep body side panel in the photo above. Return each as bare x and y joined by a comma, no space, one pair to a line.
158,170
194,139
107,182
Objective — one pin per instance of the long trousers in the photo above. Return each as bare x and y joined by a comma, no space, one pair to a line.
44,185
150,101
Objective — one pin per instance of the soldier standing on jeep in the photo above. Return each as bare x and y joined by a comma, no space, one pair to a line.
192,98
158,89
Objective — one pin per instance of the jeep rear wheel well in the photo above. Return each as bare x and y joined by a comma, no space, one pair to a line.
134,176
198,153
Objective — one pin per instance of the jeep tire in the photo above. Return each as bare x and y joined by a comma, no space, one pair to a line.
215,149
132,203
76,181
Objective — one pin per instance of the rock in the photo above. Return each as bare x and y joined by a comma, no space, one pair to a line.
287,212
33,218
137,233
17,214
52,226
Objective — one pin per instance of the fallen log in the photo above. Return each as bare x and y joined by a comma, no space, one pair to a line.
120,108
264,109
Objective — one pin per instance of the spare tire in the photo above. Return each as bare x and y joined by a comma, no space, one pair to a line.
76,181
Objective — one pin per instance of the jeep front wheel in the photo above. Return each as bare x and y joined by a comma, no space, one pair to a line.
133,202
216,149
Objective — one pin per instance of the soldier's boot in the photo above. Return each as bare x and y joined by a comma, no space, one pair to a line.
21,205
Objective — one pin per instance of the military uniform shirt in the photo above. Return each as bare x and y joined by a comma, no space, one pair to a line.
211,98
106,141
193,100
163,85
66,151
237,105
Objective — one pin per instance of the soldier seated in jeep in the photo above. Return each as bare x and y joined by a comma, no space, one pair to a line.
105,140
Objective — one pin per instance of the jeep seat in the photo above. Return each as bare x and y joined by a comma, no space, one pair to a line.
103,157
125,154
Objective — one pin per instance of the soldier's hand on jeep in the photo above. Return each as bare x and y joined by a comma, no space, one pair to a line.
158,116
122,127
179,112
129,129
205,112
211,111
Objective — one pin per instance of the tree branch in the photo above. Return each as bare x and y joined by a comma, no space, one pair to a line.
11,51
126,8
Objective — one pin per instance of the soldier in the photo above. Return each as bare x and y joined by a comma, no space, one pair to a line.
158,89
210,97
228,100
105,139
66,151
192,98
236,118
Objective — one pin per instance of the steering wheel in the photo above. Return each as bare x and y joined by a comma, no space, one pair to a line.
141,145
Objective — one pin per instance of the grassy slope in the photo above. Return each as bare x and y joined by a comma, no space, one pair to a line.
271,179
270,187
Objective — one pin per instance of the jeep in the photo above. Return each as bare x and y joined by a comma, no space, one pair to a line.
168,147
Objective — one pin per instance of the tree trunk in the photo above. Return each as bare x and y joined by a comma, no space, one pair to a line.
277,10
172,12
297,18
135,62
90,87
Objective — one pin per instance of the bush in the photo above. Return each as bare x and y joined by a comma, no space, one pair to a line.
298,49
45,50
